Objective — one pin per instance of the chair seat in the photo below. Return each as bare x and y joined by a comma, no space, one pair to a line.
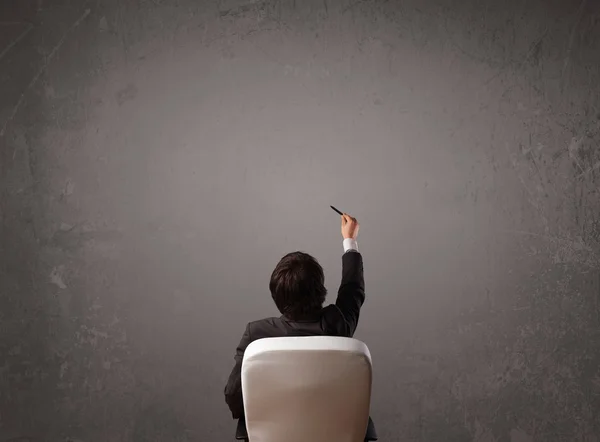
241,433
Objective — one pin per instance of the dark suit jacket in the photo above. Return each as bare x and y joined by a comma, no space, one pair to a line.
339,319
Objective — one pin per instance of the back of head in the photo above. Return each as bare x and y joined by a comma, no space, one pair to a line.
297,286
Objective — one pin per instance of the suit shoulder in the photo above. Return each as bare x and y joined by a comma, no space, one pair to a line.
266,327
259,322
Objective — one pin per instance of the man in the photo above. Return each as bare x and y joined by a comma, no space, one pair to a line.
297,287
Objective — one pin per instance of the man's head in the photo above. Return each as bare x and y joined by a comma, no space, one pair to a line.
297,286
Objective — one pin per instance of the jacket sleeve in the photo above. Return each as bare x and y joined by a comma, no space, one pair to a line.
233,389
351,294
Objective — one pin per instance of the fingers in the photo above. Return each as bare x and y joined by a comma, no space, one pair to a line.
348,219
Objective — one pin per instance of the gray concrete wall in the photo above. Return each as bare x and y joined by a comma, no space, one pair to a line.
158,157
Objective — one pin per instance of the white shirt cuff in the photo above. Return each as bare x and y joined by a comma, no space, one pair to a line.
350,244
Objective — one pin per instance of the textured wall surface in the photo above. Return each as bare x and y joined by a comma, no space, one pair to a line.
158,157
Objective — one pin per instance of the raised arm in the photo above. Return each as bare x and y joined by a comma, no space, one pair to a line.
351,294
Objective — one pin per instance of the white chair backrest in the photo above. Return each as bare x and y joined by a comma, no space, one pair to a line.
306,389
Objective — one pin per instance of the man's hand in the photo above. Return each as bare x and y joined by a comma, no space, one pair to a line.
349,227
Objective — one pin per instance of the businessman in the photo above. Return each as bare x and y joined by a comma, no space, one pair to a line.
297,288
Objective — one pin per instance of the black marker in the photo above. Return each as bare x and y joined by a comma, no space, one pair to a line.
336,210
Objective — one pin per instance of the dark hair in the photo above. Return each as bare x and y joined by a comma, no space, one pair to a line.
297,286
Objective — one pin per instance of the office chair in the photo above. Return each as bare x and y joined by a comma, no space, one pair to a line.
306,389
